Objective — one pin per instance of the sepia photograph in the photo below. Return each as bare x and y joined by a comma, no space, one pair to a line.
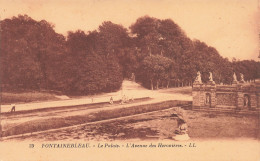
130,80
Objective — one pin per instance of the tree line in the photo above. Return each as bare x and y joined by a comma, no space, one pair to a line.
159,53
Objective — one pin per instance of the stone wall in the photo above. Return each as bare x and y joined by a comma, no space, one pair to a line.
226,99
239,96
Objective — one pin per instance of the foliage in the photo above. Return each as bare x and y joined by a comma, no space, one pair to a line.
88,69
35,57
28,52
155,68
249,68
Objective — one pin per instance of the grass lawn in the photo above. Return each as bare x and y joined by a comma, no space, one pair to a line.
32,96
222,125
23,97
179,90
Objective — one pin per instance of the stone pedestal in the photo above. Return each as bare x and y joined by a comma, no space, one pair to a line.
240,100
212,91
212,82
196,94
204,95
234,82
213,99
253,101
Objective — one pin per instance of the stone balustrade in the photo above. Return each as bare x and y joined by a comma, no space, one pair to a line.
243,96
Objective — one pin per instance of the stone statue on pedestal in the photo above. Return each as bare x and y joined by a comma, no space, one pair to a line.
181,132
234,79
198,78
211,78
242,78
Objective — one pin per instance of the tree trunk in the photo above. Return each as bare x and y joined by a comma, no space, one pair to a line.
151,84
168,83
157,84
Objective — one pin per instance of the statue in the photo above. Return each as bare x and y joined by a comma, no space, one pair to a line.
246,101
181,133
234,77
208,100
133,77
198,78
211,78
242,77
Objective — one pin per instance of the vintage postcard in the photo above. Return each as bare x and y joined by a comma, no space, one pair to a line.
129,80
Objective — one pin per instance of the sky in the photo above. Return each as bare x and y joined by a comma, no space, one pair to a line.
231,26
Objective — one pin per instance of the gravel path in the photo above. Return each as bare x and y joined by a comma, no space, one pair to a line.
129,89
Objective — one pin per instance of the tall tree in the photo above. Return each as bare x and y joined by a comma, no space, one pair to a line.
33,42
155,69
